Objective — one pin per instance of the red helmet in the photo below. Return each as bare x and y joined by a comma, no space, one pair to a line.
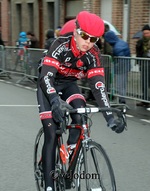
68,27
90,23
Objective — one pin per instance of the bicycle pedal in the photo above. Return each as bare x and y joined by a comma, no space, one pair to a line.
68,183
73,185
38,175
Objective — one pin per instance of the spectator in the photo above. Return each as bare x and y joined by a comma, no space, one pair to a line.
1,41
57,32
121,68
143,50
50,37
33,40
22,42
107,49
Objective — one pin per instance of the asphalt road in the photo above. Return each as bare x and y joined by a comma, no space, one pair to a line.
129,152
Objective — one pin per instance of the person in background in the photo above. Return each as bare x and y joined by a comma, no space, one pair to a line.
71,57
50,37
122,66
23,40
57,32
21,43
107,50
143,50
33,40
1,41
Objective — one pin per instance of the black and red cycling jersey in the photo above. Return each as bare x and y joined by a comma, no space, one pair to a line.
65,63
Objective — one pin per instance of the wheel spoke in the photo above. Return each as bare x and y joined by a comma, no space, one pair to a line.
99,172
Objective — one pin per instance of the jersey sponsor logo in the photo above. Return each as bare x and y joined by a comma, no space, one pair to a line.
95,72
104,98
67,59
71,72
59,50
50,89
79,64
99,85
67,64
51,62
50,74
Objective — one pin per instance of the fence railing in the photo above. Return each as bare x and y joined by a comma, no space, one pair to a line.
126,77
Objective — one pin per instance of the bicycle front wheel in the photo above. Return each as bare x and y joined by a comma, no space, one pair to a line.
38,171
94,170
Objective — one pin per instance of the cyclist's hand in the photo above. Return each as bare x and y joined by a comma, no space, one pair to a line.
58,109
117,125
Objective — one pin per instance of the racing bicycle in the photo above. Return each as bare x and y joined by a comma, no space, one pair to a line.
88,168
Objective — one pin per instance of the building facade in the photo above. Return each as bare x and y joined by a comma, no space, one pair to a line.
128,16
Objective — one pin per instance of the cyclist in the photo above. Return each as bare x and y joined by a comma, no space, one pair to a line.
71,57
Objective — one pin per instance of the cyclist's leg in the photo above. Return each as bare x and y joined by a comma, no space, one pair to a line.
73,96
49,147
48,152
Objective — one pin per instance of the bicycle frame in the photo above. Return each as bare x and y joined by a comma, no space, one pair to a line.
64,174
81,144
84,137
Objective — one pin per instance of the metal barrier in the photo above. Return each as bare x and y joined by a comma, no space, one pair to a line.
126,77
22,61
132,78
107,63
2,62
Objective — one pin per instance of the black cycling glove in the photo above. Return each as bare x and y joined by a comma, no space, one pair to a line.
117,125
58,109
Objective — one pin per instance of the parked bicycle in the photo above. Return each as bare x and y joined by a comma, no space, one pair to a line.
89,167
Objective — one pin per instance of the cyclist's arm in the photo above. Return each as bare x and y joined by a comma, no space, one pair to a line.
50,65
97,84
96,80
47,75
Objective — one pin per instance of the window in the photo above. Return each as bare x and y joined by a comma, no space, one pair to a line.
31,17
19,16
50,14
106,10
72,8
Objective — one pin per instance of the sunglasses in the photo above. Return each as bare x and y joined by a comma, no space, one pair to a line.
85,36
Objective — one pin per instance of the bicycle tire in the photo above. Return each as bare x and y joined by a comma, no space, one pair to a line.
59,179
96,169
38,174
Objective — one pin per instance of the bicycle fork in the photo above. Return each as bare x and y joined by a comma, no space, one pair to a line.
85,148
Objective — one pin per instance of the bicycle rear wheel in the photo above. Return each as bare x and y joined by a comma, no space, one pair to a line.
38,171
94,170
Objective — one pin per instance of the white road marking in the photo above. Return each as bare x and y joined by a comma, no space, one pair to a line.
145,120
